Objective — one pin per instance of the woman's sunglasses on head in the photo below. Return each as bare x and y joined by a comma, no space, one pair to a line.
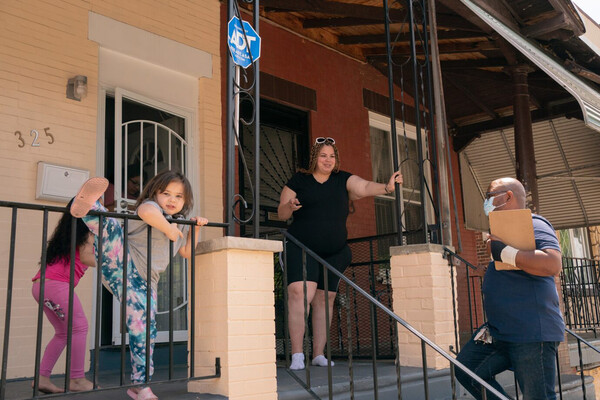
322,139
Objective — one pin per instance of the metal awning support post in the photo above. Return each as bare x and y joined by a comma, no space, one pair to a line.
398,199
229,139
441,130
415,66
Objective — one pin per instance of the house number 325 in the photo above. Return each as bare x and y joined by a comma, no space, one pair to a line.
36,137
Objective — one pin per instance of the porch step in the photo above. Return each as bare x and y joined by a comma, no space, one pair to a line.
21,390
412,383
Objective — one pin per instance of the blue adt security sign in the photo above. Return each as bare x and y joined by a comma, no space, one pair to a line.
242,54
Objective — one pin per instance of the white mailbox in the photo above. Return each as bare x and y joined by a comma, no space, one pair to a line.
58,183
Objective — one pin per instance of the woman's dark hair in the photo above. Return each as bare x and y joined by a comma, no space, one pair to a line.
59,245
159,183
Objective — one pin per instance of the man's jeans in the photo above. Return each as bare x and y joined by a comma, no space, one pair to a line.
534,365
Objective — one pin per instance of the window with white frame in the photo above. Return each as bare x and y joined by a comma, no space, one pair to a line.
574,243
382,164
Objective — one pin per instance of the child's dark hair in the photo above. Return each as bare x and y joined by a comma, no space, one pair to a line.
59,245
159,183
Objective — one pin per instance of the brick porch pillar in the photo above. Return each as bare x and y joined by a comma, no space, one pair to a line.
422,296
235,318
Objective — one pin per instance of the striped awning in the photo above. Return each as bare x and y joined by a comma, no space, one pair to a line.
568,169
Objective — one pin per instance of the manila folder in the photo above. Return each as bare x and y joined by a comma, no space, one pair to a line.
514,228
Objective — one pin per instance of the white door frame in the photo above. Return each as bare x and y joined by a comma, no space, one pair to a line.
190,165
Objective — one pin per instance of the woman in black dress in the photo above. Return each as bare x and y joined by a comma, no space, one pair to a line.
318,197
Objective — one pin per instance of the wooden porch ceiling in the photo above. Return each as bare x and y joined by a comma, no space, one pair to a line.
473,56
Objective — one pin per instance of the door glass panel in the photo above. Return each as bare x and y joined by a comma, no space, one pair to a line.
152,140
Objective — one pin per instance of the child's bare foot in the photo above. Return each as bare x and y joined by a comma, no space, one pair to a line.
137,393
91,191
80,385
45,385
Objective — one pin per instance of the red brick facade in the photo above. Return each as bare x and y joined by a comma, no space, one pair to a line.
339,82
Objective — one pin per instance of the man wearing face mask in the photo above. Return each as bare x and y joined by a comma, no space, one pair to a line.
525,324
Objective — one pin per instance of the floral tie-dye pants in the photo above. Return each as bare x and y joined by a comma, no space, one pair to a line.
136,294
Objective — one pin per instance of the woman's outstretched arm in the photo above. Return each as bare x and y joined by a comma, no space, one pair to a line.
358,187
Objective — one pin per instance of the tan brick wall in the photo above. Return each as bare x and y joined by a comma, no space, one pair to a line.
42,45
422,296
236,322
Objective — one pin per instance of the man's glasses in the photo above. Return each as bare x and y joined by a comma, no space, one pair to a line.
492,194
322,139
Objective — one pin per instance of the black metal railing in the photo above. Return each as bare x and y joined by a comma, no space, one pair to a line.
578,270
580,284
474,295
95,368
580,364
352,290
370,268
372,333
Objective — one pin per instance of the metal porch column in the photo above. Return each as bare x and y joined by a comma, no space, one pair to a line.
524,150
229,139
397,199
256,69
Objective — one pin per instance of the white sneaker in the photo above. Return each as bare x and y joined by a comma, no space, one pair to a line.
321,361
297,361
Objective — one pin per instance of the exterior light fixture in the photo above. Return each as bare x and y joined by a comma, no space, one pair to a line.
77,88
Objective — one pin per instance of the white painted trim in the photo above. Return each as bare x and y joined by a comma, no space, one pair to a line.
137,43
100,129
147,79
191,167
383,122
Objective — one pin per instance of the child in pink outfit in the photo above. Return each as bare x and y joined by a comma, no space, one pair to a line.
56,302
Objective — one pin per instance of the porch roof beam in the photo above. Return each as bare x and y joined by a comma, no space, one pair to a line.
447,48
405,37
573,20
546,26
482,106
445,21
337,22
478,63
332,8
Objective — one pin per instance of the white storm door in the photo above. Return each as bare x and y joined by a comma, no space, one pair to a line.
150,137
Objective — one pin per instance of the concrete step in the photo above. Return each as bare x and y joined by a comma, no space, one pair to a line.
289,388
165,391
439,385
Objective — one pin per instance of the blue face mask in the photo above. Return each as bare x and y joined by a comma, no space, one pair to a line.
488,205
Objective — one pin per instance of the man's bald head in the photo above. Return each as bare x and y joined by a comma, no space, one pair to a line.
519,197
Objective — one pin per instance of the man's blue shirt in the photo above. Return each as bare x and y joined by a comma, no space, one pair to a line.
521,307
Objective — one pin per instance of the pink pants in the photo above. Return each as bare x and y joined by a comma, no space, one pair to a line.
58,293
